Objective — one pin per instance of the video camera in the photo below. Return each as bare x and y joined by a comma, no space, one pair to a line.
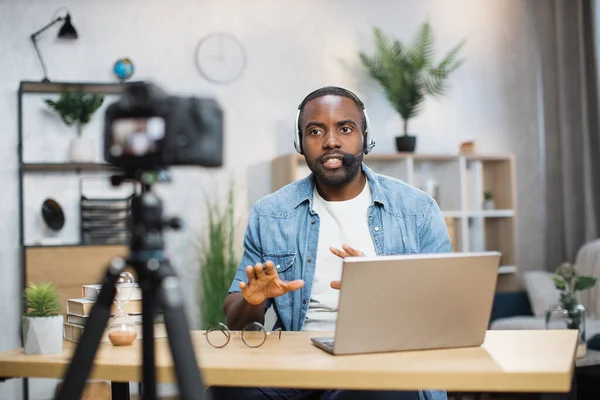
149,130
145,132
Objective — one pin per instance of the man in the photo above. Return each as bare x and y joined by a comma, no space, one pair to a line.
296,237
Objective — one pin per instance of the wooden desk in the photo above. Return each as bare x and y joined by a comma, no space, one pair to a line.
508,361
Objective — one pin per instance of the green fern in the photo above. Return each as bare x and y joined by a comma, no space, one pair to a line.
42,300
76,108
218,262
407,72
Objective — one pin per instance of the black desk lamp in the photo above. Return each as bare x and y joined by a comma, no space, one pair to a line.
67,31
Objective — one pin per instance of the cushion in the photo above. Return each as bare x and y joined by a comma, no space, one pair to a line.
540,290
594,343
510,304
592,327
519,323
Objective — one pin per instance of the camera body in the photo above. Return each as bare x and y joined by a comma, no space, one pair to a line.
149,130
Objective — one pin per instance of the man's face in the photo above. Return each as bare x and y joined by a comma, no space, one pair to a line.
331,127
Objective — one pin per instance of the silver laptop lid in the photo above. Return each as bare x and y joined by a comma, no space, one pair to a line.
419,301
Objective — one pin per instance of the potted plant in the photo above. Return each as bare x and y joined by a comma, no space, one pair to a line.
218,261
569,313
408,74
42,322
488,200
76,109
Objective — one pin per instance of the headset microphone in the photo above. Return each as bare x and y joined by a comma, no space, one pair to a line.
349,159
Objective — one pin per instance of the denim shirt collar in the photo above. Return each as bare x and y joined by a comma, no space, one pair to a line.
305,190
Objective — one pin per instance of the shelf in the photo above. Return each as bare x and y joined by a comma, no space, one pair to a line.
489,157
67,167
457,182
453,214
423,157
71,245
491,214
479,214
507,269
58,87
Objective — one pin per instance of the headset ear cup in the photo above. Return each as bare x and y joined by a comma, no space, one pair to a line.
369,143
297,145
297,139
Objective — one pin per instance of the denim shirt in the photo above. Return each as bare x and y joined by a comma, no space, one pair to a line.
284,228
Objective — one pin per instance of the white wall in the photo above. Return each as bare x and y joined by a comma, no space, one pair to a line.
293,47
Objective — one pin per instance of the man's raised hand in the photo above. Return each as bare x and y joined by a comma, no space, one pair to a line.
264,283
346,252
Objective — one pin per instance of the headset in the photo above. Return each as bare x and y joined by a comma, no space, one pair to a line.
369,142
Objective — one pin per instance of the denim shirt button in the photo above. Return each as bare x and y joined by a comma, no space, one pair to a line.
310,260
304,301
312,222
376,229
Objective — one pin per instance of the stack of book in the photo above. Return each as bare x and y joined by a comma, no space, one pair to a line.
78,311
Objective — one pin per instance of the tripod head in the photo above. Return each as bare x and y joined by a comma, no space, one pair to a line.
146,222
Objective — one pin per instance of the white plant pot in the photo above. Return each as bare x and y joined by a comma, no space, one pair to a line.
43,335
489,205
81,150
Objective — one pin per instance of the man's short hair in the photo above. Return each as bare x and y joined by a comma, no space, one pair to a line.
335,91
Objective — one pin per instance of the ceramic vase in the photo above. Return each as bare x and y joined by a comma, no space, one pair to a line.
81,150
43,335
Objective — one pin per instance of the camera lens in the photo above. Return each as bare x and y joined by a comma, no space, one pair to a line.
182,140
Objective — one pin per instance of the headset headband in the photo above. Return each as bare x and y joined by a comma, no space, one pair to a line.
369,142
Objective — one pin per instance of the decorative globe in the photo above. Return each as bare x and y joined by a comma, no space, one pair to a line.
123,68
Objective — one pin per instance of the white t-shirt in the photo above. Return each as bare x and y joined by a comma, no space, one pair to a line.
341,222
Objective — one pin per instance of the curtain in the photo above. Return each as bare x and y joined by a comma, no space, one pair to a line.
568,119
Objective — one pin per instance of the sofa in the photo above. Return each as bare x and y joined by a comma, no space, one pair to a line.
526,309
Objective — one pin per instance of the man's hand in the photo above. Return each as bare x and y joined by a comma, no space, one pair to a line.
346,252
264,283
336,284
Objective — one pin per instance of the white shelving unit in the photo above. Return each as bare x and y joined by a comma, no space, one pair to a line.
461,181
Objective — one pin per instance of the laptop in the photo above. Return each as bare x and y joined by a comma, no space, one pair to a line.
413,302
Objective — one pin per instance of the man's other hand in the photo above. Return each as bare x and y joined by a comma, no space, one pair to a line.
264,283
346,252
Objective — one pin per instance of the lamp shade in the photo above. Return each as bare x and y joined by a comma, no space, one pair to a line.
67,31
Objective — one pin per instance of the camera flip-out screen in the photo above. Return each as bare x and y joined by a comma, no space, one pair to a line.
137,136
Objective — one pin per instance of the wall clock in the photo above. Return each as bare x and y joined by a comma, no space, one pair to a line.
220,58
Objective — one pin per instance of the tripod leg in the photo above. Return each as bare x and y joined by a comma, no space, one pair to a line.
120,391
187,370
81,363
148,312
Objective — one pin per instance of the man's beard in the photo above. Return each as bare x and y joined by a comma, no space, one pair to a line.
334,177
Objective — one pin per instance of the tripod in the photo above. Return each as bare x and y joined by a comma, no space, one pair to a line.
160,288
